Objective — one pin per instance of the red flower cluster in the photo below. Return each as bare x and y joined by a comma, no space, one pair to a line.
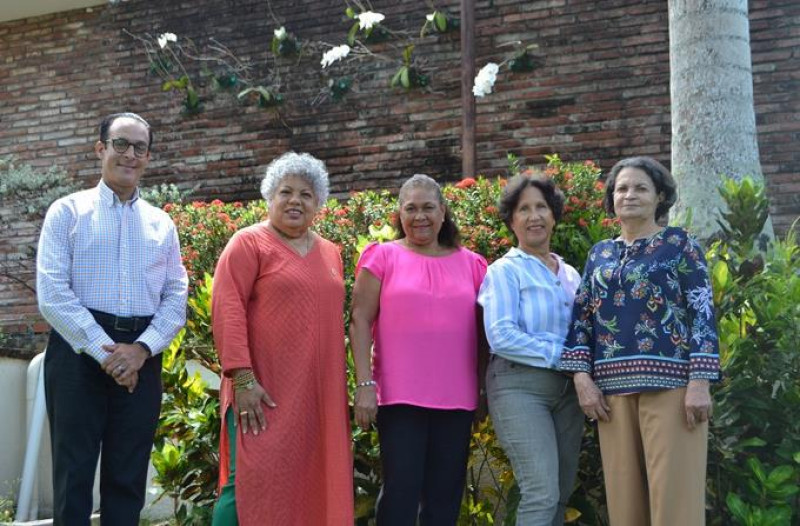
465,183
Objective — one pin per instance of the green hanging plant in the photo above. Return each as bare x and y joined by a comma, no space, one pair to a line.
284,43
439,22
191,103
267,98
368,25
339,87
409,76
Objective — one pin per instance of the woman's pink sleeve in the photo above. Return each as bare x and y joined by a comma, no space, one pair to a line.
373,258
479,271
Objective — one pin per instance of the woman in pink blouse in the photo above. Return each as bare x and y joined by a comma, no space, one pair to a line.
414,333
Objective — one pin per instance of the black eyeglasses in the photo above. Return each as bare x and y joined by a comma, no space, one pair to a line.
121,146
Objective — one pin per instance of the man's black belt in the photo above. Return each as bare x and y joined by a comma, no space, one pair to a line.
121,323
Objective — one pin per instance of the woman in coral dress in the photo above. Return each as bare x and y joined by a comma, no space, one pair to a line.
277,318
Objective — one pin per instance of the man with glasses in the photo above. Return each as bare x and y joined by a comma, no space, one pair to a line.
111,284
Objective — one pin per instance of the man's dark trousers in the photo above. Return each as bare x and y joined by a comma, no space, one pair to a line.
88,411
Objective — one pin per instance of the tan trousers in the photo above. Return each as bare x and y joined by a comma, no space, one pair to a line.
655,468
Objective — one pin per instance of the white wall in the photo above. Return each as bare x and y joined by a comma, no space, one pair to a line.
12,422
13,437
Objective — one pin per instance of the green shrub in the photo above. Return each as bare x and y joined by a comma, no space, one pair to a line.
35,190
755,434
28,192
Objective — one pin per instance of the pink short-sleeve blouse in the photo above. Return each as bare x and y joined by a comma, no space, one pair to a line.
425,333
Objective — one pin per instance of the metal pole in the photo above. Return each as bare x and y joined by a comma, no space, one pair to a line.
467,78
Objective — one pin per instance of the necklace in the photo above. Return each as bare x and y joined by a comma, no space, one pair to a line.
293,241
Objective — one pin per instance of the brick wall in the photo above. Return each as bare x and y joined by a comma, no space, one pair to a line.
601,92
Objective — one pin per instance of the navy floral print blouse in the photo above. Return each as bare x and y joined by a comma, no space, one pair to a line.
643,317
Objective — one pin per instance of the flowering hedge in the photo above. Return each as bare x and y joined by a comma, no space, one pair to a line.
204,228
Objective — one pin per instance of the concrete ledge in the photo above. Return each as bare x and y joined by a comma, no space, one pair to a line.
48,522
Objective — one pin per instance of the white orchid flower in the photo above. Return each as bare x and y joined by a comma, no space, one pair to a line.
334,54
485,79
430,17
367,19
165,38
280,33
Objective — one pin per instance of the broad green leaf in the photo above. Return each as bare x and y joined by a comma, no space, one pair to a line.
407,52
192,98
440,20
757,469
396,78
404,78
752,442
720,274
737,508
351,35
572,515
780,475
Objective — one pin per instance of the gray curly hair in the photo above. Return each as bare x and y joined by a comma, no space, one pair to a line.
303,165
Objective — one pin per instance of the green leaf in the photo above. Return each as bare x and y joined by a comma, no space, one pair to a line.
385,233
440,20
263,92
779,475
753,442
192,98
396,78
407,52
177,84
404,78
757,468
737,508
350,12
720,274
351,35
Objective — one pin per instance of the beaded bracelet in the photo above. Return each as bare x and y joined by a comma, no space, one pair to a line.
366,383
244,381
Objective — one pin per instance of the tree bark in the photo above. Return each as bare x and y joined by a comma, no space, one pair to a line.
713,117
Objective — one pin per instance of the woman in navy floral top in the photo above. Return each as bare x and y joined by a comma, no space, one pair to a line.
643,347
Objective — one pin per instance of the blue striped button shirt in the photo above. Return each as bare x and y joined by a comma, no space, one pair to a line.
527,309
96,252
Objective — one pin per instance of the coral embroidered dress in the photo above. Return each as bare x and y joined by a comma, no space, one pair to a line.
280,314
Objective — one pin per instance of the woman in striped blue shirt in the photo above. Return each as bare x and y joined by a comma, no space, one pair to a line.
527,299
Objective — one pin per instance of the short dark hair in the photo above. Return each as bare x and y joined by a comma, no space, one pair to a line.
657,172
511,194
108,120
448,234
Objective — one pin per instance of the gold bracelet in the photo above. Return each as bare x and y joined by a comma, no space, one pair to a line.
244,381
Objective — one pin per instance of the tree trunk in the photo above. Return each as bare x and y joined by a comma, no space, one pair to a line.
713,118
